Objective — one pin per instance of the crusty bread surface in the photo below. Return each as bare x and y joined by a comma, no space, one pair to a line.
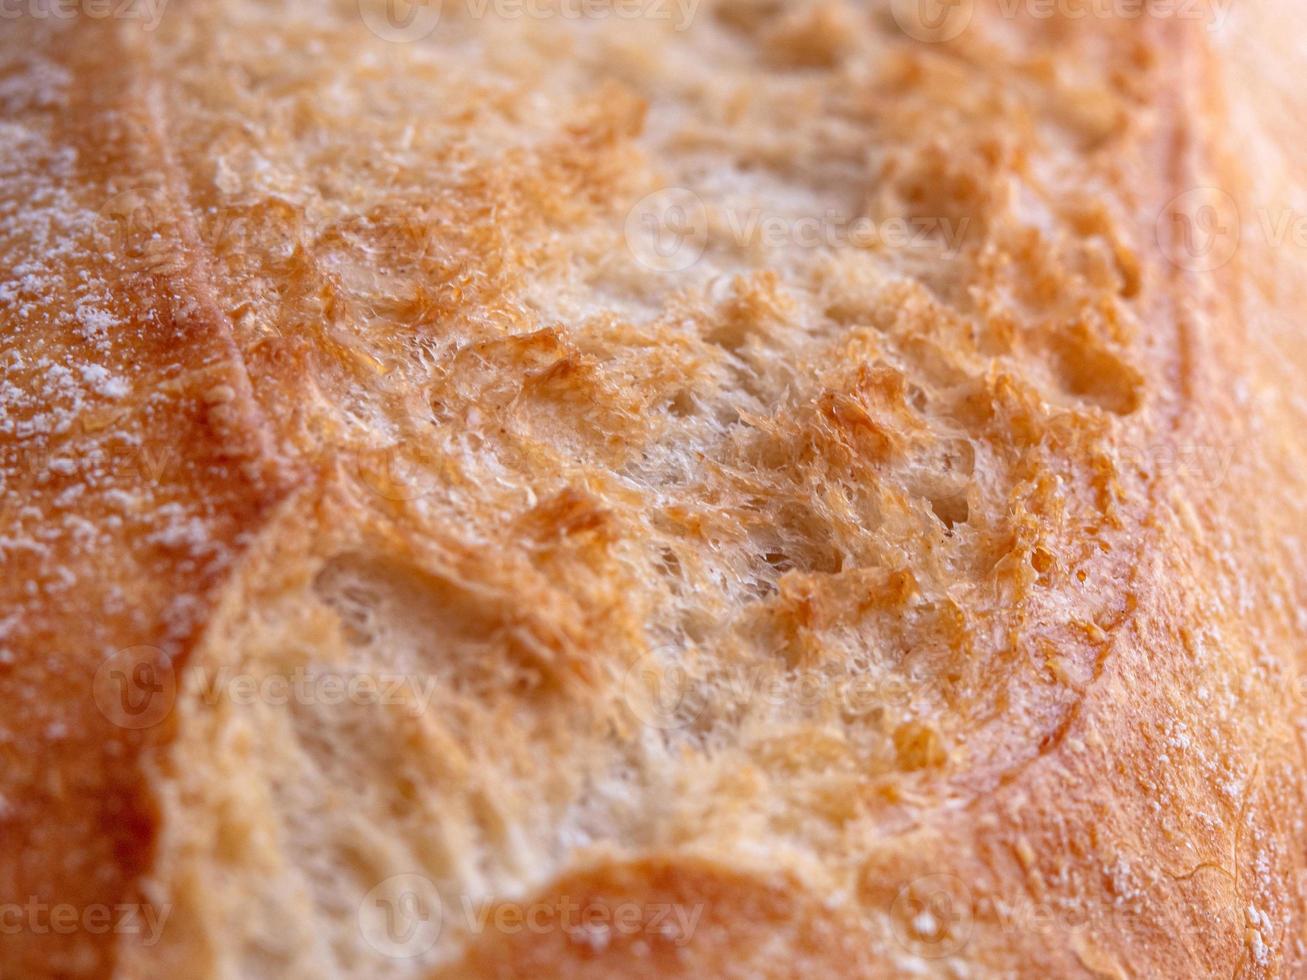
752,489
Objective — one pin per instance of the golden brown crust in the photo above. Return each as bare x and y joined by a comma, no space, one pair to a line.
922,604
134,464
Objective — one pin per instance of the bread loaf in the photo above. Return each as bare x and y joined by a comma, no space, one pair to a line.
652,488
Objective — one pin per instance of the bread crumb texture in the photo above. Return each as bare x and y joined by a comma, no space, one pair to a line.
752,489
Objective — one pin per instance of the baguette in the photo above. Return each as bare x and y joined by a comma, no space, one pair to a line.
756,489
